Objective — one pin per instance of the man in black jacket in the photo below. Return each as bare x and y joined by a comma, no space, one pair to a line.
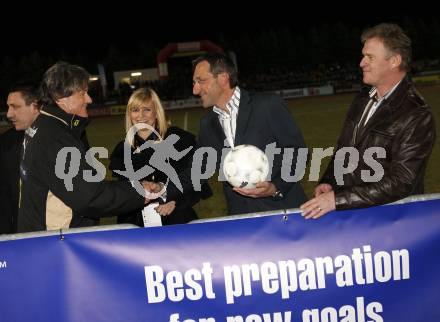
48,200
389,115
22,112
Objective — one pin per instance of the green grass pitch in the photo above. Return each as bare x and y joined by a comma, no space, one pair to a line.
320,119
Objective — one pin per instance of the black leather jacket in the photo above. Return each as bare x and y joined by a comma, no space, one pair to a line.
404,126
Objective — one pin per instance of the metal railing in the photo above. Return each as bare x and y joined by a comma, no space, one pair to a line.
284,212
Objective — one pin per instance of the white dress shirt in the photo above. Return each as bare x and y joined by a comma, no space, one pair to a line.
228,119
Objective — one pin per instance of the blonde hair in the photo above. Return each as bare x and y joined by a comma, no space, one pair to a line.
139,98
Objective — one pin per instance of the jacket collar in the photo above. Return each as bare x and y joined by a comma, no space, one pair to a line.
388,106
216,127
79,123
73,121
138,141
394,101
244,112
58,113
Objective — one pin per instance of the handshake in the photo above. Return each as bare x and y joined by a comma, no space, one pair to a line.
153,190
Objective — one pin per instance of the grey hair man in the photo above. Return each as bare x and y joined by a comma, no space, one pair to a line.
47,203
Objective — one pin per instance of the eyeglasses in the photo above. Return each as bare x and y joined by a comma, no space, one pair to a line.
203,80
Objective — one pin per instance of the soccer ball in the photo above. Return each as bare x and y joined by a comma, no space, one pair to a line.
245,165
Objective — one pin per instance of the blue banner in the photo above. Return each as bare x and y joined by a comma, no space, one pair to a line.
376,264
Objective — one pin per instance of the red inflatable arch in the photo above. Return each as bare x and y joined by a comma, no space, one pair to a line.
182,47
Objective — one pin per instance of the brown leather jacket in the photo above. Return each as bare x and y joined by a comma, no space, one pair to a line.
404,126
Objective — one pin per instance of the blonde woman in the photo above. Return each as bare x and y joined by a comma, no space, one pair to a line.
145,107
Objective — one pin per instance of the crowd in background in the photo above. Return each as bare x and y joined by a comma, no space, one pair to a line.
275,58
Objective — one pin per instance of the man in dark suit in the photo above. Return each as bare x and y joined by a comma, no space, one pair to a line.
388,114
22,111
240,117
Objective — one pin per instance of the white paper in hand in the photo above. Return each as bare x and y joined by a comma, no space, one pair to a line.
150,216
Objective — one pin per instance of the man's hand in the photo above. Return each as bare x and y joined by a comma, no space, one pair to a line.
319,206
153,190
166,209
262,189
322,188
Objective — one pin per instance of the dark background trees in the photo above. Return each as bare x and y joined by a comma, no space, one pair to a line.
259,51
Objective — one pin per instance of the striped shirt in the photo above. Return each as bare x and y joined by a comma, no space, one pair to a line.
377,101
228,119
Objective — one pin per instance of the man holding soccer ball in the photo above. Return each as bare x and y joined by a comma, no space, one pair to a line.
239,117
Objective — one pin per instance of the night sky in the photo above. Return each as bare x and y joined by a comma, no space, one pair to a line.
91,31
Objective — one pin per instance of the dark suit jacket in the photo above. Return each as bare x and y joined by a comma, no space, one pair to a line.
10,145
262,119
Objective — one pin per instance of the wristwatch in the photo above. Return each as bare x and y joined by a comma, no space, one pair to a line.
277,195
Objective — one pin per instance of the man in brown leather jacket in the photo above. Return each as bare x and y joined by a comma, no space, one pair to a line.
391,115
